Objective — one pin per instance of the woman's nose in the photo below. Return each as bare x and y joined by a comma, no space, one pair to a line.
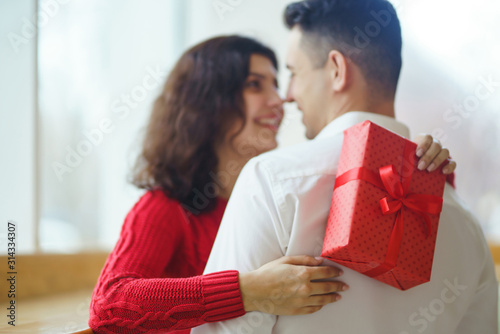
275,100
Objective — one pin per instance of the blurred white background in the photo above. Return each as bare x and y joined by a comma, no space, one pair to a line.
76,92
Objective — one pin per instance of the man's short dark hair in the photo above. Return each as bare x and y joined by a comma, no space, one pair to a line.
367,32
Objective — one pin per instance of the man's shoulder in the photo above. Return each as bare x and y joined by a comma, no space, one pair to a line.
463,221
453,202
318,156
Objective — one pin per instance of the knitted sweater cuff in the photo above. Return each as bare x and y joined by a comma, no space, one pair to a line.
222,294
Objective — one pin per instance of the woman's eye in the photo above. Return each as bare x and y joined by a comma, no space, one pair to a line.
253,84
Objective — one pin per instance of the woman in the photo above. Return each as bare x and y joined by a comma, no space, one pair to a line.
218,109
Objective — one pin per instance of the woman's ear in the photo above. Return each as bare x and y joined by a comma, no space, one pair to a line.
338,68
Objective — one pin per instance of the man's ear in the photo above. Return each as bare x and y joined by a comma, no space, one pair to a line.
337,66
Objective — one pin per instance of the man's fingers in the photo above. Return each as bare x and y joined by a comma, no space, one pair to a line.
427,158
423,143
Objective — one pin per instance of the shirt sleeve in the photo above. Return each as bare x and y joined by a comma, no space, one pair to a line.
251,234
132,293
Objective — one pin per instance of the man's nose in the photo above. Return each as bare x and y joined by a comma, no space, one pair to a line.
289,95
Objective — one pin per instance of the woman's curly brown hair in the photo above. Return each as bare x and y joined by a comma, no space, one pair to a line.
201,100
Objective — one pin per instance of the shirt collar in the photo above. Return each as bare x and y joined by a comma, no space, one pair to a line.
345,121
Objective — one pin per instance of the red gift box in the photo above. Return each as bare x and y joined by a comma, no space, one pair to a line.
384,214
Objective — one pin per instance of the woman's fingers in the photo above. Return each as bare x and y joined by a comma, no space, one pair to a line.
431,153
439,159
315,303
323,299
301,260
289,285
450,167
307,310
310,285
316,273
423,142
323,288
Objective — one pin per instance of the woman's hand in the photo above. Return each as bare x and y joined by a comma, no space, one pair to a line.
432,154
284,286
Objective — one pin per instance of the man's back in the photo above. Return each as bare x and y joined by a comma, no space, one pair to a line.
289,218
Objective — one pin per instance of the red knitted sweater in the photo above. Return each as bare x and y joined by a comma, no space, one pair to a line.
152,282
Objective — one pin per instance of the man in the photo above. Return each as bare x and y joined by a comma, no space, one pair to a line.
345,59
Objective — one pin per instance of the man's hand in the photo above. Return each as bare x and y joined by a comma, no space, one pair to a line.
432,154
284,286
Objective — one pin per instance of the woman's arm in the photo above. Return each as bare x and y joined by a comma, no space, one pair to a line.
132,293
284,286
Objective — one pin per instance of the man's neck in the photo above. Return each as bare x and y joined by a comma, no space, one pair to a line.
385,108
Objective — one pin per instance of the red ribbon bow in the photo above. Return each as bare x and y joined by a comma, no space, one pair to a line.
398,188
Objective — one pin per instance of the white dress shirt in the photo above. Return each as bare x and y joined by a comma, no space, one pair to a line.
280,205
